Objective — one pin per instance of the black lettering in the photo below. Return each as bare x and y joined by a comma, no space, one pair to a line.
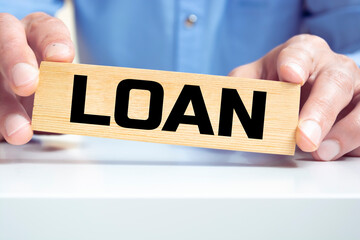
155,106
177,115
78,105
231,101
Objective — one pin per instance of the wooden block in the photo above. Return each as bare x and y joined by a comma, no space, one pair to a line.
167,107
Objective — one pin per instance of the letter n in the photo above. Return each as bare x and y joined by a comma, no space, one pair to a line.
254,125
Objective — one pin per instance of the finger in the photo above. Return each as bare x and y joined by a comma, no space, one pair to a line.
299,58
344,137
332,91
49,38
294,65
18,64
14,122
354,153
251,70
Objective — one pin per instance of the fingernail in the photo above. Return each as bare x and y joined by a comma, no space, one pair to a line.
311,130
328,150
23,74
298,70
14,123
58,50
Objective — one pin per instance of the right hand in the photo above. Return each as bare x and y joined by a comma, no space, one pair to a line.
23,45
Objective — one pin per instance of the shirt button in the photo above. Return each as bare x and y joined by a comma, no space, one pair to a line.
191,20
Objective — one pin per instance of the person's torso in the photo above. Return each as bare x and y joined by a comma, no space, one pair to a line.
203,36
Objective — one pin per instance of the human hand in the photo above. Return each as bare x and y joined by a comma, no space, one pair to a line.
329,121
23,45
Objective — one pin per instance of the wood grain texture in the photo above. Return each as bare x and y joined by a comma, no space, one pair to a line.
53,100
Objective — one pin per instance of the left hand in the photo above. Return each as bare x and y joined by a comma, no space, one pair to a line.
329,121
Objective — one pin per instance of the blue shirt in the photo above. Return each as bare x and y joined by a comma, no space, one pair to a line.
220,35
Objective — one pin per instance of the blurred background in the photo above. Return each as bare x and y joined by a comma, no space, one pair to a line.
66,14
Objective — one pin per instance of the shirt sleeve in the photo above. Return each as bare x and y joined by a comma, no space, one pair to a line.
21,8
337,21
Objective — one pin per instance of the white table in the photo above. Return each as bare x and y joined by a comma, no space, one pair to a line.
111,189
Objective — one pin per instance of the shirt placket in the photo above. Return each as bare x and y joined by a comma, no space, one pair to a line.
190,35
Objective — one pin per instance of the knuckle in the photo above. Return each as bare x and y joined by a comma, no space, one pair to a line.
297,52
309,39
39,19
322,103
32,17
325,109
347,62
6,17
36,15
302,37
318,41
342,81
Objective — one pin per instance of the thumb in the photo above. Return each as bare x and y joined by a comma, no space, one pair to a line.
251,70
